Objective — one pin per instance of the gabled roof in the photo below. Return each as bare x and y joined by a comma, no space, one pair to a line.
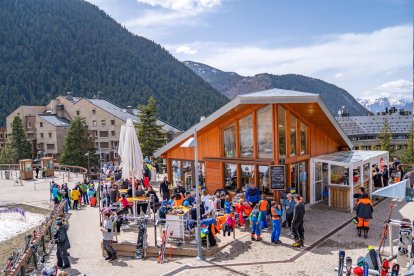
55,120
271,96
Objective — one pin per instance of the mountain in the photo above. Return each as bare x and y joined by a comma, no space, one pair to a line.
231,84
379,104
49,47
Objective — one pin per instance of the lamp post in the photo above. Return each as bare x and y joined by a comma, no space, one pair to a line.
199,247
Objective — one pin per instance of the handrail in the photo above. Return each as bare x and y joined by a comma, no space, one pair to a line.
29,252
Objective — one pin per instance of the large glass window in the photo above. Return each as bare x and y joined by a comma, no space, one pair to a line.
264,132
247,175
188,175
230,177
339,175
264,180
281,124
176,172
293,132
229,138
303,138
246,136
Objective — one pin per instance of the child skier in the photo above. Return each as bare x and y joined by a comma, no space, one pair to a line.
229,225
263,204
276,210
364,210
255,217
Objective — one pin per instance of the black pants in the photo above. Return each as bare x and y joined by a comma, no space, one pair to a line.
62,258
75,204
142,206
289,218
298,231
107,245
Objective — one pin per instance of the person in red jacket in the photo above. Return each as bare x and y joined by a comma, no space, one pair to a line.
364,210
242,209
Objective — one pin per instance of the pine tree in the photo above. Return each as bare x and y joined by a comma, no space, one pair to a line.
77,143
385,137
408,154
17,147
150,134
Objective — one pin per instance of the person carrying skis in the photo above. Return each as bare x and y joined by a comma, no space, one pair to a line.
364,210
276,211
255,217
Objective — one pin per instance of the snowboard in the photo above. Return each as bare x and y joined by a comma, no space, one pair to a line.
385,266
395,269
341,262
374,259
164,237
348,266
404,242
141,241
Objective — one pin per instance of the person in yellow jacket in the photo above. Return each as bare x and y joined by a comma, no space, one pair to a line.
75,198
263,207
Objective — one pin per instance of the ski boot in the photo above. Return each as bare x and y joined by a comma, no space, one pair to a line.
359,231
366,232
258,238
302,243
253,238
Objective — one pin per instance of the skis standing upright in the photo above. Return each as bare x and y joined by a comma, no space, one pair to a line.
163,244
341,262
395,270
385,266
405,241
348,266
140,252
385,231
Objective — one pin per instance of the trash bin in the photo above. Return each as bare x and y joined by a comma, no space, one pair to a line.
7,174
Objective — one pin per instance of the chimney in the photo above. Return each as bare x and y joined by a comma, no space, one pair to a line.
202,118
130,110
69,96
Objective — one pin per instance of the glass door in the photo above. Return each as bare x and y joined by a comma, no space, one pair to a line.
321,181
299,176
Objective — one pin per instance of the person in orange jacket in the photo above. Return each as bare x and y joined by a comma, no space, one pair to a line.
364,210
263,206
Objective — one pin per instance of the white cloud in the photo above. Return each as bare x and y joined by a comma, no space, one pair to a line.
339,75
353,55
400,89
185,50
171,12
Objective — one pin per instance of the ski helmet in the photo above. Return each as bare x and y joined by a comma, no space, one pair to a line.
360,261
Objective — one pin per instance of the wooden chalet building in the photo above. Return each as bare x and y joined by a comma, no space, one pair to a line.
240,142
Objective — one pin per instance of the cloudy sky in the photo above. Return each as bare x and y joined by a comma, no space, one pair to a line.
364,46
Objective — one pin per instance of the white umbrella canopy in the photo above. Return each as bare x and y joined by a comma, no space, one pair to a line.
131,154
121,141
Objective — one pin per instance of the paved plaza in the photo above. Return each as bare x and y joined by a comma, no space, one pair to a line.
326,232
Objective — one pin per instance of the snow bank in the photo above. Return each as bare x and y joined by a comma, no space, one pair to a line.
13,224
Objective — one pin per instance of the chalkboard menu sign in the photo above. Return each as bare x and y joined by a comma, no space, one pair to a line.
277,177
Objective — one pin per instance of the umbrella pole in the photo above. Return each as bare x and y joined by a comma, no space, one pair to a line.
133,195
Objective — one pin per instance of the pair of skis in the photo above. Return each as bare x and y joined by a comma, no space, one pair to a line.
164,238
140,252
348,264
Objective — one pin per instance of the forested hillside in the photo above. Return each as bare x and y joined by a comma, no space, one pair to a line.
50,47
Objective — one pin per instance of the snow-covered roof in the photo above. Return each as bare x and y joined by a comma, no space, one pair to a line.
271,96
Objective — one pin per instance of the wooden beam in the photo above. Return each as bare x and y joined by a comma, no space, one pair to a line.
287,133
275,135
255,150
262,162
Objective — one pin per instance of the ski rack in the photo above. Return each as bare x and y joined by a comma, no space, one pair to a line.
391,223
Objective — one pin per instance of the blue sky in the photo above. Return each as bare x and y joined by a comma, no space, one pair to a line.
364,46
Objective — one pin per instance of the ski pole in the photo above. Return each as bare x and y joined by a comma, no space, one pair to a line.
171,234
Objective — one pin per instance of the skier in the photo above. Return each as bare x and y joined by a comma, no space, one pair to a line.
252,195
107,234
255,220
364,210
62,241
263,209
276,210
297,222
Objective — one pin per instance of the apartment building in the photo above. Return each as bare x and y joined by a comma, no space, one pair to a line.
46,126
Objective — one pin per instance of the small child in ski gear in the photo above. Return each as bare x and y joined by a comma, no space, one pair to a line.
227,205
242,209
229,225
276,211
263,206
255,217
364,210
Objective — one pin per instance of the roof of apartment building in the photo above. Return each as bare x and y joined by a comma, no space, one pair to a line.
360,125
55,120
123,114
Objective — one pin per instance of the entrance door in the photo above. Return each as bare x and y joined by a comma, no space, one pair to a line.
299,177
321,181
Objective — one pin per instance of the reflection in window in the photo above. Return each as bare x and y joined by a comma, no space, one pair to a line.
201,173
303,138
176,172
230,177
281,124
246,136
264,132
247,174
293,131
357,176
366,172
188,177
339,175
264,181
229,138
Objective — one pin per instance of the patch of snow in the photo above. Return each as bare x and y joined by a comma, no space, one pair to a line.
13,224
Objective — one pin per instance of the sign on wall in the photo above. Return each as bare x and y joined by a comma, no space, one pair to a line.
277,177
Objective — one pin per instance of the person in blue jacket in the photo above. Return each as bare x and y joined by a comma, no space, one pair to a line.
189,200
276,210
255,218
252,195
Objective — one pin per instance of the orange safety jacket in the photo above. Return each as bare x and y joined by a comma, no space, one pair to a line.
263,205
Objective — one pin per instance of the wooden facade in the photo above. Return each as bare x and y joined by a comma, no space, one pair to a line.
322,137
